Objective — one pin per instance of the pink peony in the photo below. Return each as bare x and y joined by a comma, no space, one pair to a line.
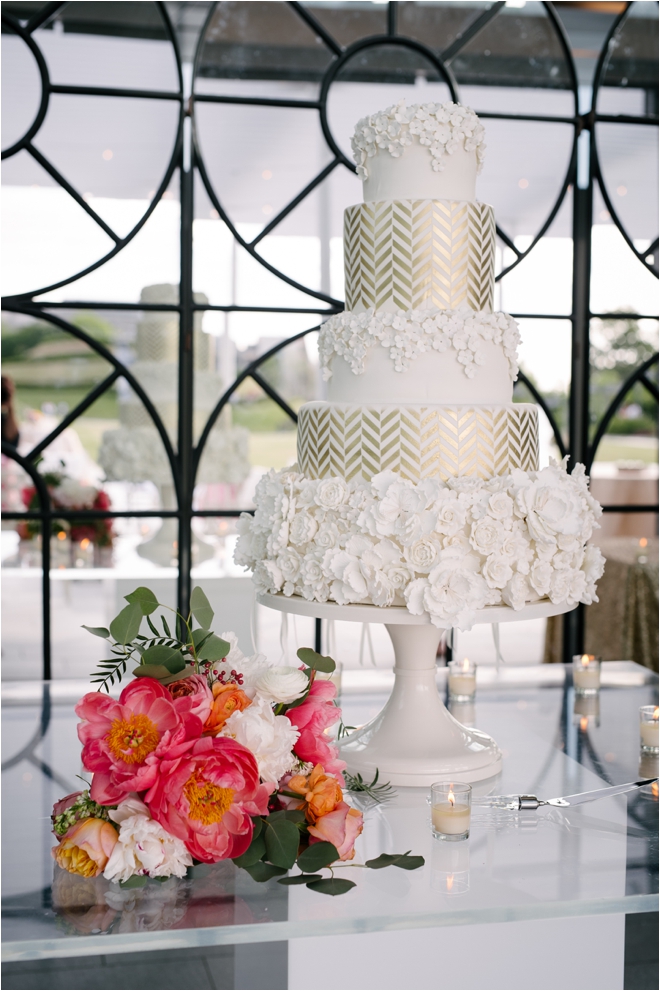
317,712
124,741
206,794
341,827
192,694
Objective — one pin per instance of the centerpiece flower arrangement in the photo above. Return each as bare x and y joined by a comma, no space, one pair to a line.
209,755
68,493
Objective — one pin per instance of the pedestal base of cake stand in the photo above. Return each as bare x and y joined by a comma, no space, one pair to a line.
414,741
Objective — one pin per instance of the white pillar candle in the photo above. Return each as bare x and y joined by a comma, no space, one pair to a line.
586,673
462,679
648,727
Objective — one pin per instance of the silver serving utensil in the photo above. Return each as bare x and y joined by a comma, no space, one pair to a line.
515,803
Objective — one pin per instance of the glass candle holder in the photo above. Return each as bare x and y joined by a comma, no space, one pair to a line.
648,768
335,677
451,805
648,729
586,674
586,711
462,680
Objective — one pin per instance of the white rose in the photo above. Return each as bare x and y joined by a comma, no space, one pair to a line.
451,513
269,737
284,684
288,563
486,535
593,563
497,571
560,585
449,596
303,529
552,505
540,577
423,555
500,505
143,847
331,493
327,535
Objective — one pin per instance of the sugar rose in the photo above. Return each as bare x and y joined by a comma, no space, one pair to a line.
85,848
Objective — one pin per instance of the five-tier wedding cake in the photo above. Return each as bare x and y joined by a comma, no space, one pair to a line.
418,481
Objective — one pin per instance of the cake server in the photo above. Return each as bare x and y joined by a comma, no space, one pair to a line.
517,803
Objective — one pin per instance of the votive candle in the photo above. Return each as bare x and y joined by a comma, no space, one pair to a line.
648,729
586,674
462,680
450,810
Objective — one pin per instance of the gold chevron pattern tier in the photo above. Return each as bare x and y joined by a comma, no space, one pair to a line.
413,253
417,442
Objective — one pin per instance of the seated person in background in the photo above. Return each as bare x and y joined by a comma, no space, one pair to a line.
10,432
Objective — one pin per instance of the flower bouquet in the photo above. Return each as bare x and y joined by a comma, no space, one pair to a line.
208,755
69,494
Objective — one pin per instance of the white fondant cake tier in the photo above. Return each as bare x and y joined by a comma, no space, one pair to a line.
412,176
417,441
406,253
434,377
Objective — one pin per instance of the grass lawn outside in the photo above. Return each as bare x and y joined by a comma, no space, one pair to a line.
614,447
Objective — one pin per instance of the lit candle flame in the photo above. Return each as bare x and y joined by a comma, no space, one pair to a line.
585,659
584,723
452,798
466,664
656,711
84,543
450,882
654,789
643,542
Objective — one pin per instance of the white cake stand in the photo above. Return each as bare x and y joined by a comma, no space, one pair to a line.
414,740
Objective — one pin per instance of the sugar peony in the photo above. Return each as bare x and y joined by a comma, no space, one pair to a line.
85,848
206,794
341,827
143,846
123,740
312,718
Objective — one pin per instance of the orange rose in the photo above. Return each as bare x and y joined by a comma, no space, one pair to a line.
340,827
86,847
320,792
226,700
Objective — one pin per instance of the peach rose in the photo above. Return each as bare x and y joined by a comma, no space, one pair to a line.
226,700
86,847
340,827
320,792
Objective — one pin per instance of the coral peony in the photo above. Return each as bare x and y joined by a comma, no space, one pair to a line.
206,796
124,741
340,827
86,847
192,694
320,793
317,712
227,699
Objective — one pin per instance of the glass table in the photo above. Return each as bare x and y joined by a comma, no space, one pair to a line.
531,879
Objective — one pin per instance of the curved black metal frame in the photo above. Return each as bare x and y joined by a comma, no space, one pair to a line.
189,160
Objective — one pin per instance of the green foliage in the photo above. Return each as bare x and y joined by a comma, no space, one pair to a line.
282,839
379,793
316,661
316,856
126,626
332,885
144,598
300,879
402,860
97,631
264,872
201,608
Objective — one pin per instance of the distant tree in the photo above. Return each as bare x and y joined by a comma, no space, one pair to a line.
618,347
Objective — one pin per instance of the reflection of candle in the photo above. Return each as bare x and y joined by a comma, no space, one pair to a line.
648,728
641,554
586,674
462,679
450,810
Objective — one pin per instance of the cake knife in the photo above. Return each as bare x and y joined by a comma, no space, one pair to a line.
517,803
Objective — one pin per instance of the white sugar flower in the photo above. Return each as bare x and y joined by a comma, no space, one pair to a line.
143,846
269,737
282,684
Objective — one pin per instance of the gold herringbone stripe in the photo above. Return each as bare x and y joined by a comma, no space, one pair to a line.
419,252
417,442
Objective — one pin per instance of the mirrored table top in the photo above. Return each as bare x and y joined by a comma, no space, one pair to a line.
598,858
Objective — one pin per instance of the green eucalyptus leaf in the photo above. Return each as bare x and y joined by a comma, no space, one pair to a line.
214,649
170,658
126,626
201,608
300,879
97,631
157,671
402,860
332,885
282,839
316,856
253,854
316,661
264,872
178,675
144,598
137,881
